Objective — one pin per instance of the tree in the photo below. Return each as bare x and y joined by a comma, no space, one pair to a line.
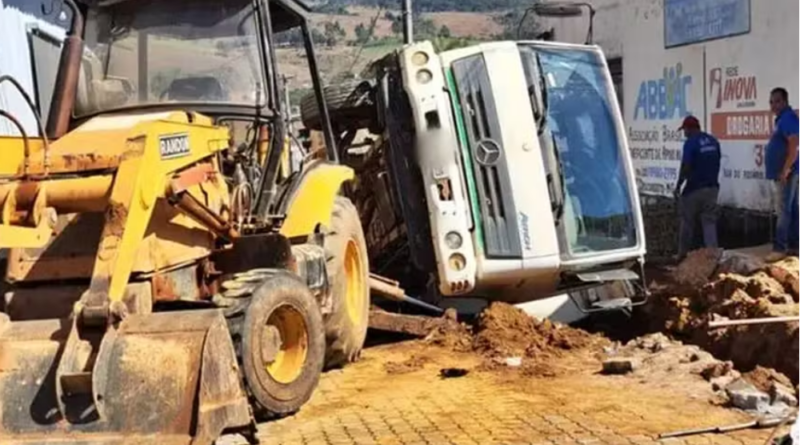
444,32
424,29
363,33
513,25
333,32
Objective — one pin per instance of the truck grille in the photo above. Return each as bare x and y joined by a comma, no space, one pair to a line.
495,199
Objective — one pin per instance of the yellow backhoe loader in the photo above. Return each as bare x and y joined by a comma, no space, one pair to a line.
167,281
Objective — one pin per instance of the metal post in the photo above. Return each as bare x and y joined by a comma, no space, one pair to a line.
408,23
287,100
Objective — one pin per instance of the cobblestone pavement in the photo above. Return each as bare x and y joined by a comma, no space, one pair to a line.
363,404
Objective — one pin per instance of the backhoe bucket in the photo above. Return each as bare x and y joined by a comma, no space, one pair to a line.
159,378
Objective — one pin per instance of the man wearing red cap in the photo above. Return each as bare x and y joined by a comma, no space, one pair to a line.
700,171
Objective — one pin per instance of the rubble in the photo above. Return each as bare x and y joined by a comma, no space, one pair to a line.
619,365
683,309
744,395
697,268
778,402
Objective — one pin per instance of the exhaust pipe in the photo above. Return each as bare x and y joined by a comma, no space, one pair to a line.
408,23
67,81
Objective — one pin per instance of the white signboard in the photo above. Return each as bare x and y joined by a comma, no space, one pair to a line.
725,83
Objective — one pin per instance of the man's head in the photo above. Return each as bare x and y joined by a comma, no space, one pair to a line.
778,100
690,126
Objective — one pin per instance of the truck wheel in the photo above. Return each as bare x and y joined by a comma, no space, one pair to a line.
348,275
282,346
351,105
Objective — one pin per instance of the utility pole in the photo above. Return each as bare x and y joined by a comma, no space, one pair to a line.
408,23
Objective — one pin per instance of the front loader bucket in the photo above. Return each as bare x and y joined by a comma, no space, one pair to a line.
159,379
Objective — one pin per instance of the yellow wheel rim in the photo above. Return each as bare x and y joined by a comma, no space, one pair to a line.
284,344
355,287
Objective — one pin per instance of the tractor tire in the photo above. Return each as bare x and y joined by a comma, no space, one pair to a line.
348,277
281,379
351,106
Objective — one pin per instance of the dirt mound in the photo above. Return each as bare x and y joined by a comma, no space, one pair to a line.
508,338
505,331
766,291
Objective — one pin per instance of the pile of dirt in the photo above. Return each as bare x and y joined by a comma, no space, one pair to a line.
737,288
508,337
505,331
764,379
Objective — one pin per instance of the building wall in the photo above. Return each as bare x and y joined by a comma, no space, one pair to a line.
724,82
16,61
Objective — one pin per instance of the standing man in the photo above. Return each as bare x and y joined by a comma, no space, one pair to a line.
780,162
700,171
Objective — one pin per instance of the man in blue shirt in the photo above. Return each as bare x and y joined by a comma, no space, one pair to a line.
780,161
700,171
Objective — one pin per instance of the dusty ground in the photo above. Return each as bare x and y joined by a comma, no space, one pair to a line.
511,379
366,403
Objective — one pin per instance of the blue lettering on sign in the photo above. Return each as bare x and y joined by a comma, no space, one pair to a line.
692,21
665,98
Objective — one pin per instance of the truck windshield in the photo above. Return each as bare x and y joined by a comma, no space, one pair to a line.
598,212
147,52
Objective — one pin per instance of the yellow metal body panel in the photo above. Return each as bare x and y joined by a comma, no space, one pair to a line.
140,231
311,205
141,180
20,237
13,153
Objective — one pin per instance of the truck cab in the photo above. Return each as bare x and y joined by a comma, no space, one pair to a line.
506,169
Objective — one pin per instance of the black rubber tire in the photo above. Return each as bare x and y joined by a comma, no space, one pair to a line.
344,336
351,105
269,397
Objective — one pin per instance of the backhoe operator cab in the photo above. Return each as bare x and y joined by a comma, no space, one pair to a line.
506,166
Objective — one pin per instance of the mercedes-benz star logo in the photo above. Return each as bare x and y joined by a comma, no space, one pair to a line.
487,152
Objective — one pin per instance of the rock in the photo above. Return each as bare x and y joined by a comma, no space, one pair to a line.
779,393
744,395
720,383
619,365
653,342
786,273
716,370
697,268
739,263
513,362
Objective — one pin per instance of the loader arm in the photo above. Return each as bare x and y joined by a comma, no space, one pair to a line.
161,162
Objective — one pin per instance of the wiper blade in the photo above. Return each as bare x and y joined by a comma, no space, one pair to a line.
543,94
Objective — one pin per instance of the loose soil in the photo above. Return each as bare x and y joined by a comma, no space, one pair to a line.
503,335
413,363
738,288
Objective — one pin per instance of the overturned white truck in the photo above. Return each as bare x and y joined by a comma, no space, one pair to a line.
499,171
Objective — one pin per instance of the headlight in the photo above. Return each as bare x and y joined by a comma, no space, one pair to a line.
457,262
453,240
419,58
424,76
